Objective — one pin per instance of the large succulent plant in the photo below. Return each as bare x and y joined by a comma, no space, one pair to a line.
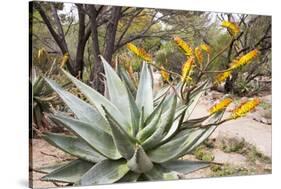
129,134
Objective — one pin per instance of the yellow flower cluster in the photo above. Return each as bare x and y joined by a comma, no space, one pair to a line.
184,46
64,59
206,48
140,52
232,27
222,77
220,106
236,63
244,108
186,68
199,55
245,59
165,75
41,52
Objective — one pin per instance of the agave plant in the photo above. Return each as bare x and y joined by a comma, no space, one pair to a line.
129,134
39,102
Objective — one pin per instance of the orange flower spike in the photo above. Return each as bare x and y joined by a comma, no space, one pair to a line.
245,59
186,68
144,55
220,106
232,27
41,52
165,75
133,48
221,77
64,60
206,48
184,46
140,52
244,108
199,55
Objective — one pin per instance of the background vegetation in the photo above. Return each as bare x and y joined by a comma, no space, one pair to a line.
86,31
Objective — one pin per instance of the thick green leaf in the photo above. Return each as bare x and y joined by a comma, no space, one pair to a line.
159,95
158,108
140,162
121,138
135,114
207,131
175,147
69,173
144,97
167,102
127,80
148,130
83,111
50,168
116,90
194,122
185,142
194,99
200,88
158,173
141,119
73,146
92,134
105,172
99,100
165,124
37,86
184,166
130,177
179,111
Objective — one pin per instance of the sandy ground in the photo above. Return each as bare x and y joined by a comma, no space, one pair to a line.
43,154
253,132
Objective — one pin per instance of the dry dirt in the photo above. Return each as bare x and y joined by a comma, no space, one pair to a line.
43,154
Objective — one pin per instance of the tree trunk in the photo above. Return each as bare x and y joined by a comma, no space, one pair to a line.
83,36
111,33
97,69
74,64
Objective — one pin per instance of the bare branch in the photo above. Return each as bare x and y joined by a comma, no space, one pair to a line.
141,35
69,26
58,37
128,26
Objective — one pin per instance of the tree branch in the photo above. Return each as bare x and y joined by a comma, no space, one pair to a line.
141,35
60,40
128,26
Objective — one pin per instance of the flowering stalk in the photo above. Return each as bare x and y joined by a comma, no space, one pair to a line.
245,59
244,108
199,55
232,27
220,106
64,60
41,52
140,52
184,46
186,69
165,75
206,48
221,77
